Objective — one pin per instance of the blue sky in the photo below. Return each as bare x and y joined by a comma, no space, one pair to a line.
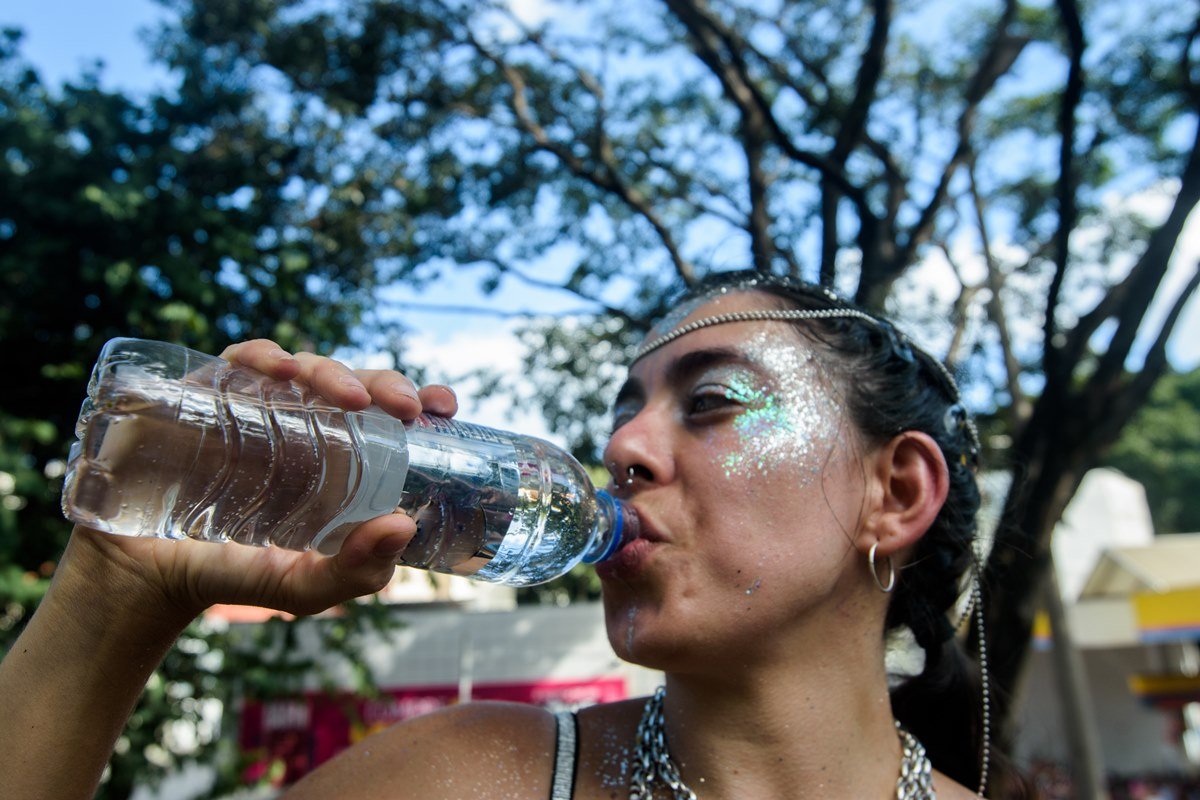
61,36
65,36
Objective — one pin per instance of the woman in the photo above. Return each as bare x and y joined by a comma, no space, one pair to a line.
804,480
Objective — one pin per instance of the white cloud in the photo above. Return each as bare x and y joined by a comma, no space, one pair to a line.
531,12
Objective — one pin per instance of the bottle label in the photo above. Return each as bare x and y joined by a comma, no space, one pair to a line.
461,430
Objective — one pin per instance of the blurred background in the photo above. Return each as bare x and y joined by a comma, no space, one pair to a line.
502,194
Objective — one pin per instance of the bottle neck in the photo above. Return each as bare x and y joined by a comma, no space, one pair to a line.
616,524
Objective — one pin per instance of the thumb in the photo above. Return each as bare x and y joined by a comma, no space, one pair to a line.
364,564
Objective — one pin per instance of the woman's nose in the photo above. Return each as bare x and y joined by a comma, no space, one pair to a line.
639,450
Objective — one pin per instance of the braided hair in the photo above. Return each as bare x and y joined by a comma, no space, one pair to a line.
890,386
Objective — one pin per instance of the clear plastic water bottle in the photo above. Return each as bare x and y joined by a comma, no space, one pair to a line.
175,443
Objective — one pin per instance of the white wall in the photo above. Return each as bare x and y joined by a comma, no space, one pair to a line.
1109,510
438,645
1134,738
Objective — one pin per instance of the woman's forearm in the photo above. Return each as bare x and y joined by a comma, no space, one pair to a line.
70,681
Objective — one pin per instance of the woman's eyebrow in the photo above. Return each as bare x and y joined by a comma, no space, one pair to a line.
632,389
695,361
682,368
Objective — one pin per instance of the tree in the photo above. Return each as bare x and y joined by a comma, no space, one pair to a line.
1160,447
968,155
850,143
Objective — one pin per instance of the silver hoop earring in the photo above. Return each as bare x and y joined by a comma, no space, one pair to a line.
891,581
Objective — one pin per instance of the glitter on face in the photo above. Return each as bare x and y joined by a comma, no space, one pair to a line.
630,618
789,420
673,318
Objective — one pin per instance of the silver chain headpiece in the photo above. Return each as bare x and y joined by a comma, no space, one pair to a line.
653,766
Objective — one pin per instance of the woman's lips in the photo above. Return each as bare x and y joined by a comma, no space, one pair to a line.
631,558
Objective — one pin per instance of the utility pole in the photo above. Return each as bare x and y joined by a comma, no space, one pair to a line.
1079,721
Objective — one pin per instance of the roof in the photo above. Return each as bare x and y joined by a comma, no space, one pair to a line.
1170,563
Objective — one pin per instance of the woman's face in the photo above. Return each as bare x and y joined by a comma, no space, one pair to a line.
747,479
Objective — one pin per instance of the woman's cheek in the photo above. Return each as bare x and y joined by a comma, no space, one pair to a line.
788,430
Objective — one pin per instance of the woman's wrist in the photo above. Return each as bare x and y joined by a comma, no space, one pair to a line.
98,587
81,661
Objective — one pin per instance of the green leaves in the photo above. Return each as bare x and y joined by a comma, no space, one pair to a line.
188,217
1160,448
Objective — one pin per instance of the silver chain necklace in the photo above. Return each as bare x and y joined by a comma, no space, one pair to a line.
652,764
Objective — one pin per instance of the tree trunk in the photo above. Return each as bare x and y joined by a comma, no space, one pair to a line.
1047,470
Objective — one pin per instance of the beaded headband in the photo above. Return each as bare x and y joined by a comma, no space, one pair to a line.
956,418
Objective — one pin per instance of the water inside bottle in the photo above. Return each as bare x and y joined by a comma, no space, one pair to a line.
161,458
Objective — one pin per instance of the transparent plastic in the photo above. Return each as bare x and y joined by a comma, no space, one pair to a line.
174,443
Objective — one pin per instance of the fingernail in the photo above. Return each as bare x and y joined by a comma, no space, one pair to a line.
400,387
281,355
352,382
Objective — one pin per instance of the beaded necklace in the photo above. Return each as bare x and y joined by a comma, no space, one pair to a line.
653,765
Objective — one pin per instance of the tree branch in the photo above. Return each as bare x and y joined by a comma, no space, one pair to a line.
1147,275
1185,66
1121,401
854,123
1156,356
1066,188
870,69
607,179
504,268
714,41
1001,54
960,314
487,311
830,108
1019,406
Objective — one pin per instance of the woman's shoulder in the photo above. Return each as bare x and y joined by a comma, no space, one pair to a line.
479,749
949,789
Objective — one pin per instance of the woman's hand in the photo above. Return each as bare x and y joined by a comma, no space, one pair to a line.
179,579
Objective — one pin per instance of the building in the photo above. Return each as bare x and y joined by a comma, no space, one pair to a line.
1133,610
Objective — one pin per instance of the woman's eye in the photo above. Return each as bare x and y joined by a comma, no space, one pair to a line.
714,398
622,415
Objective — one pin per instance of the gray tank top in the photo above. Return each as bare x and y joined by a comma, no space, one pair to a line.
565,756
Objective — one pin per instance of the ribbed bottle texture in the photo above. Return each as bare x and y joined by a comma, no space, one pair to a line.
174,443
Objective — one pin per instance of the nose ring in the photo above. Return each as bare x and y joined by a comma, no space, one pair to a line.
629,478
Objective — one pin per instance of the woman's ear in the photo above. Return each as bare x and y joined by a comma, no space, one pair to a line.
912,481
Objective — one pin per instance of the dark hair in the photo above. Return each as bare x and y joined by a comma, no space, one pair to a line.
890,386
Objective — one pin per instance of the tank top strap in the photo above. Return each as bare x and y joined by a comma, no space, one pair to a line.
565,756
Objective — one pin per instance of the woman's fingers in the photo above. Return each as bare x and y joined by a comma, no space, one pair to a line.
350,389
363,566
439,399
194,575
265,356
333,380
391,391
